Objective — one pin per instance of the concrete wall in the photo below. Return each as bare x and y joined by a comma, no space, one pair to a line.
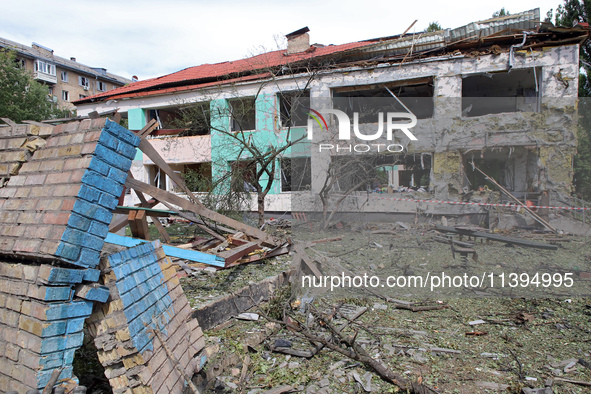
447,135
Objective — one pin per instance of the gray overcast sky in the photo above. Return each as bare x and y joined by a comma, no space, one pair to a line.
149,38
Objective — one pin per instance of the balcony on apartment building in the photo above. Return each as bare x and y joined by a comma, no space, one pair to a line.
45,72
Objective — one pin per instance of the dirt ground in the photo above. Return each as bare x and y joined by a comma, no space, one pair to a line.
542,338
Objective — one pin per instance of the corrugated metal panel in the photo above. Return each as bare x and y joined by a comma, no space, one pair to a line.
527,20
422,42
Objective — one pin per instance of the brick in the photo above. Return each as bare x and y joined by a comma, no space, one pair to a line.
39,231
89,258
92,211
56,218
77,175
8,317
68,204
60,177
91,275
14,271
29,218
48,247
102,183
8,192
98,229
77,163
52,165
36,179
27,245
49,293
99,166
66,190
57,275
14,303
42,329
113,158
88,148
71,127
47,204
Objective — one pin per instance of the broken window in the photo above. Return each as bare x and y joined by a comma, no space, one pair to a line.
368,101
514,168
157,177
243,114
383,173
293,108
197,176
296,174
243,175
184,121
493,93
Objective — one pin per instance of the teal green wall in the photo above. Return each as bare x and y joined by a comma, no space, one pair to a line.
136,118
225,149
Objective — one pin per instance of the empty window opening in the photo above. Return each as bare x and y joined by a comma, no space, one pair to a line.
296,174
197,176
84,82
383,173
493,93
293,108
242,114
515,169
370,100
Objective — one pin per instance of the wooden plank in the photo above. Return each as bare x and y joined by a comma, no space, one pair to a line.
118,224
237,253
153,154
149,211
498,238
147,129
511,196
148,205
163,195
132,223
201,226
192,255
141,221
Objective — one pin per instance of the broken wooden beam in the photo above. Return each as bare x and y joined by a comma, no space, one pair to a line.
495,237
231,255
172,251
536,217
171,198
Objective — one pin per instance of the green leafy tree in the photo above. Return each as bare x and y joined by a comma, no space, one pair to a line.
21,97
501,12
569,14
433,26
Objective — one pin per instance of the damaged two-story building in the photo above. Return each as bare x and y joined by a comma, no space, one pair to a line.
499,94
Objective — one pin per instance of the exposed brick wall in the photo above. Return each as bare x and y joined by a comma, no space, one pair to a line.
145,296
40,323
59,203
17,144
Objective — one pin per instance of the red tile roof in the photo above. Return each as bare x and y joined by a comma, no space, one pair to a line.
189,78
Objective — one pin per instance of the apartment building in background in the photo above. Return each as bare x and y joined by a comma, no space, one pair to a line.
67,79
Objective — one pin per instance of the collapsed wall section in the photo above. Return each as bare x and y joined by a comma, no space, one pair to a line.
58,204
144,334
41,322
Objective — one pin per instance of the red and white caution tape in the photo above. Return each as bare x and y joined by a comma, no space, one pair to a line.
510,205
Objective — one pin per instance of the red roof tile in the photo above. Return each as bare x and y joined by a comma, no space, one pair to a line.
192,75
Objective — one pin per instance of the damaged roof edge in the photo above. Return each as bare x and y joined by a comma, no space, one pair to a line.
220,73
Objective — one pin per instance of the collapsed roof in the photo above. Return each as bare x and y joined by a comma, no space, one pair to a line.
496,35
